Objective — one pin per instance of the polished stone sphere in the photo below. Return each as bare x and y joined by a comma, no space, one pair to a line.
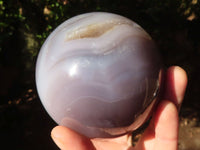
98,74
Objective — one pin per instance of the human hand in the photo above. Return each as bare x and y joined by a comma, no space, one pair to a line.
161,134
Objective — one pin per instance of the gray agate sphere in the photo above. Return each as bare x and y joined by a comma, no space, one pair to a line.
98,74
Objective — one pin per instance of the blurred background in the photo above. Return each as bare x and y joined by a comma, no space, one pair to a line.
25,24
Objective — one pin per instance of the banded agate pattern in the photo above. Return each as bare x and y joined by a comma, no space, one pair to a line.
98,74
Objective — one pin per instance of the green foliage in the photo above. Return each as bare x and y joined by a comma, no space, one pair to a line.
50,13
9,18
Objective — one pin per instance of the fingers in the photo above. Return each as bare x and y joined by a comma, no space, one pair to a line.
162,132
175,85
67,139
166,117
166,127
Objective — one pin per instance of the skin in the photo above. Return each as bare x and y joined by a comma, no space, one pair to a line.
161,134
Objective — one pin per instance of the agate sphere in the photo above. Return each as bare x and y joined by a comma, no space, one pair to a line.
98,74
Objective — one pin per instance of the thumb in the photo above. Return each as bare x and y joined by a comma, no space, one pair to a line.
67,139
